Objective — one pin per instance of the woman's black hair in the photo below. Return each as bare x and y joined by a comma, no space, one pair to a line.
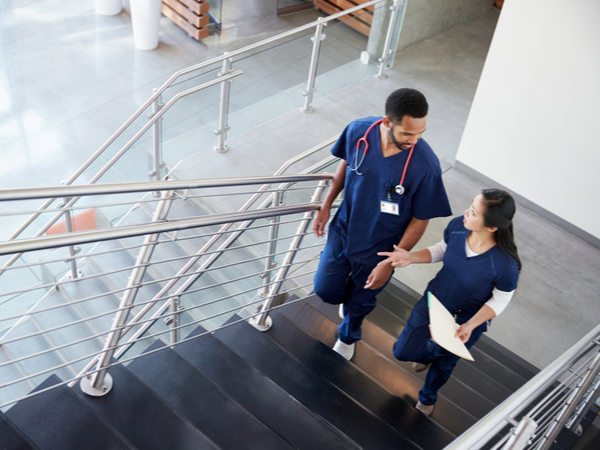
499,211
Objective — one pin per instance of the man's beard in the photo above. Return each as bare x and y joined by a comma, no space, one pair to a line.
396,142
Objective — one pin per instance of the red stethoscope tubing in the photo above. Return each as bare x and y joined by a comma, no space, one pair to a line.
364,139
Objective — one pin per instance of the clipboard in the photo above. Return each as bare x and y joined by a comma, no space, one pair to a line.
443,328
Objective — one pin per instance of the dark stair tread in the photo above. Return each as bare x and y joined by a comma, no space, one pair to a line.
507,358
403,292
259,395
396,376
493,368
394,304
510,380
395,411
203,403
324,399
143,417
43,419
11,438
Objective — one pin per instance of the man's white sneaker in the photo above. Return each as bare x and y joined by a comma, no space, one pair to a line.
425,409
346,350
341,311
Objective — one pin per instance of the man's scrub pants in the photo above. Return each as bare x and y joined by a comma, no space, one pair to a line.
340,280
415,344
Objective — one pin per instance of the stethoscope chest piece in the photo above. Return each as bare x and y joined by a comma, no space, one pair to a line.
399,189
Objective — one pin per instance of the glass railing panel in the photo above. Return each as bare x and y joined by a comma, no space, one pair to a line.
126,135
340,63
272,85
188,127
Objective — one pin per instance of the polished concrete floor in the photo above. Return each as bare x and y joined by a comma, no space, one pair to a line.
70,78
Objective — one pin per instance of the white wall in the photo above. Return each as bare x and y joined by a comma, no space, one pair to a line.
534,126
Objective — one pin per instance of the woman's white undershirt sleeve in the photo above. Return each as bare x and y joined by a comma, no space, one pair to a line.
437,251
499,300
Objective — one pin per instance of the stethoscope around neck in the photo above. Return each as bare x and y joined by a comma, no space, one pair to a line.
399,189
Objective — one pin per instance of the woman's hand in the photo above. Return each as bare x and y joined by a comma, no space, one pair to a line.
464,332
398,258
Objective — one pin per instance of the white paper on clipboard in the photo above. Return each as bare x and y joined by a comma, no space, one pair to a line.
443,328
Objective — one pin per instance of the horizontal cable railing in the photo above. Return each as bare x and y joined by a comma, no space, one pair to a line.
93,297
555,399
77,378
200,309
112,312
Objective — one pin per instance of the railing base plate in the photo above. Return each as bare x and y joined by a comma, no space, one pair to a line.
254,322
87,388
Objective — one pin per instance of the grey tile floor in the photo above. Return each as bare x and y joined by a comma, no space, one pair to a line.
69,79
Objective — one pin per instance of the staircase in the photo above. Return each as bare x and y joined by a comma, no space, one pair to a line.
239,388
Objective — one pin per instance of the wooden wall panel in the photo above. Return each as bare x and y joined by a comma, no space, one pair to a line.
361,24
196,33
191,15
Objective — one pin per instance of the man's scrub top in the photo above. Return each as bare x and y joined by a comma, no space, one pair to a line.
364,228
466,284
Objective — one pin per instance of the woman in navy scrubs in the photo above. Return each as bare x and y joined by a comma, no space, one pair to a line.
478,279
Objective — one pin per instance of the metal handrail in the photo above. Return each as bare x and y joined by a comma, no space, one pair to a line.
505,413
84,237
145,201
149,186
125,248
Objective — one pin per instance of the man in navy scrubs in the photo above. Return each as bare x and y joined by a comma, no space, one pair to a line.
392,184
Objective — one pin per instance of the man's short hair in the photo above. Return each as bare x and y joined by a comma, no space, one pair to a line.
406,102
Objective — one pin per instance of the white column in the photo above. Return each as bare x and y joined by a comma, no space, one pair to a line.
108,7
145,18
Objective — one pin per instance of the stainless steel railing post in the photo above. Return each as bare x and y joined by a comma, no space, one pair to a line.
312,71
221,132
69,228
388,39
100,382
270,260
521,434
262,321
157,132
571,404
174,320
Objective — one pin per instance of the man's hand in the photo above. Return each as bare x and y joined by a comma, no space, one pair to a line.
320,221
379,276
398,258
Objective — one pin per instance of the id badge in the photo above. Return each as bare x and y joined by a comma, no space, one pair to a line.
389,207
